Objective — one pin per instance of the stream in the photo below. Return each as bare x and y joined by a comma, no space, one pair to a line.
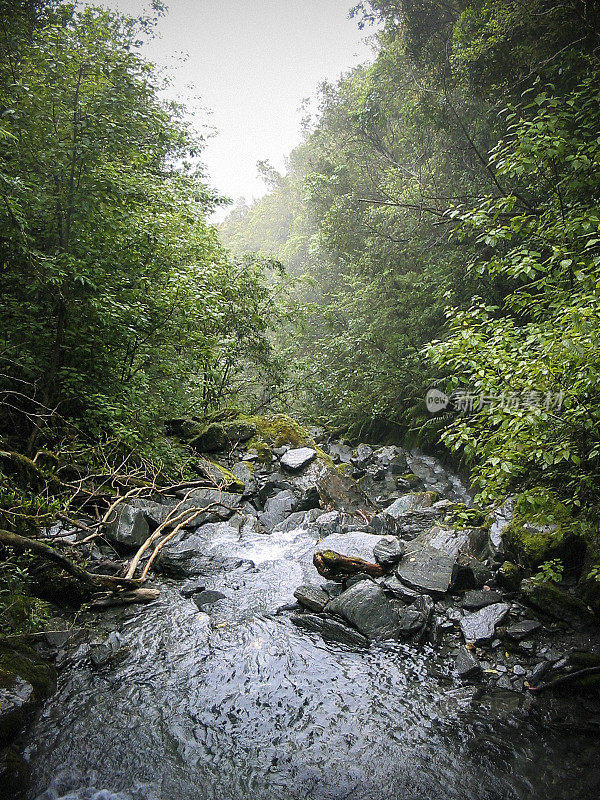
242,704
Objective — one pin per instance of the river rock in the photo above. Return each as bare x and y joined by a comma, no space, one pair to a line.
128,527
363,455
277,509
521,630
410,502
481,625
410,621
297,459
385,525
340,452
206,598
299,519
466,665
475,599
223,503
366,607
245,475
338,522
354,544
312,597
427,570
155,513
398,589
330,629
388,551
471,573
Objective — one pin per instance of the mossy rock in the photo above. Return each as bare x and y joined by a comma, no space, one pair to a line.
221,476
25,682
49,582
184,428
509,576
15,774
220,436
20,613
262,450
543,529
280,430
549,598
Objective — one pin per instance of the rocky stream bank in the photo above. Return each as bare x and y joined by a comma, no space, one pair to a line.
377,558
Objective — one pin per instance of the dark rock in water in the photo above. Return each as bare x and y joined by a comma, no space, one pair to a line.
25,682
129,527
481,625
478,598
538,672
366,607
330,629
466,665
206,598
297,459
398,589
277,509
471,573
384,524
521,630
425,605
109,652
388,551
311,597
410,620
427,570
187,558
192,587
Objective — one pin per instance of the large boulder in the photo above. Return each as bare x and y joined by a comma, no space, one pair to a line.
410,502
330,629
354,544
427,570
128,527
277,508
365,606
550,599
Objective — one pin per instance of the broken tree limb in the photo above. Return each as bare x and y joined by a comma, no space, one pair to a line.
565,680
336,567
126,598
23,544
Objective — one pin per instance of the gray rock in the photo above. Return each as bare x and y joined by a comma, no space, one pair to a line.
356,544
427,570
398,589
466,665
409,502
243,473
277,509
223,503
206,598
410,621
521,630
297,459
192,587
481,625
538,672
519,670
311,597
471,573
337,522
478,598
299,519
363,456
366,607
129,527
155,513
359,576
385,525
389,551
330,629
340,452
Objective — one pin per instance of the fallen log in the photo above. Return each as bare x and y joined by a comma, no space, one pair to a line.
336,567
565,680
125,598
24,544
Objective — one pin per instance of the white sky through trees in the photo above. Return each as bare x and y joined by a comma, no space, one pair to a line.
249,65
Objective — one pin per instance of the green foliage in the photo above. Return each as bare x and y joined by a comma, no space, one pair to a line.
549,572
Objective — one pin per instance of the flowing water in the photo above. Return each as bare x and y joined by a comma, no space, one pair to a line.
242,705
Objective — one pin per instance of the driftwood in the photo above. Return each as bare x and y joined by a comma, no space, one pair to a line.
23,544
125,598
565,680
336,567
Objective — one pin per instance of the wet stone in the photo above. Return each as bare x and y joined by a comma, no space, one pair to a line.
466,665
206,598
398,589
330,629
410,620
366,607
311,597
479,598
427,570
520,630
388,551
481,625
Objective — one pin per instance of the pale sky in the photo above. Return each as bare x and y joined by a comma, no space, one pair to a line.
249,65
